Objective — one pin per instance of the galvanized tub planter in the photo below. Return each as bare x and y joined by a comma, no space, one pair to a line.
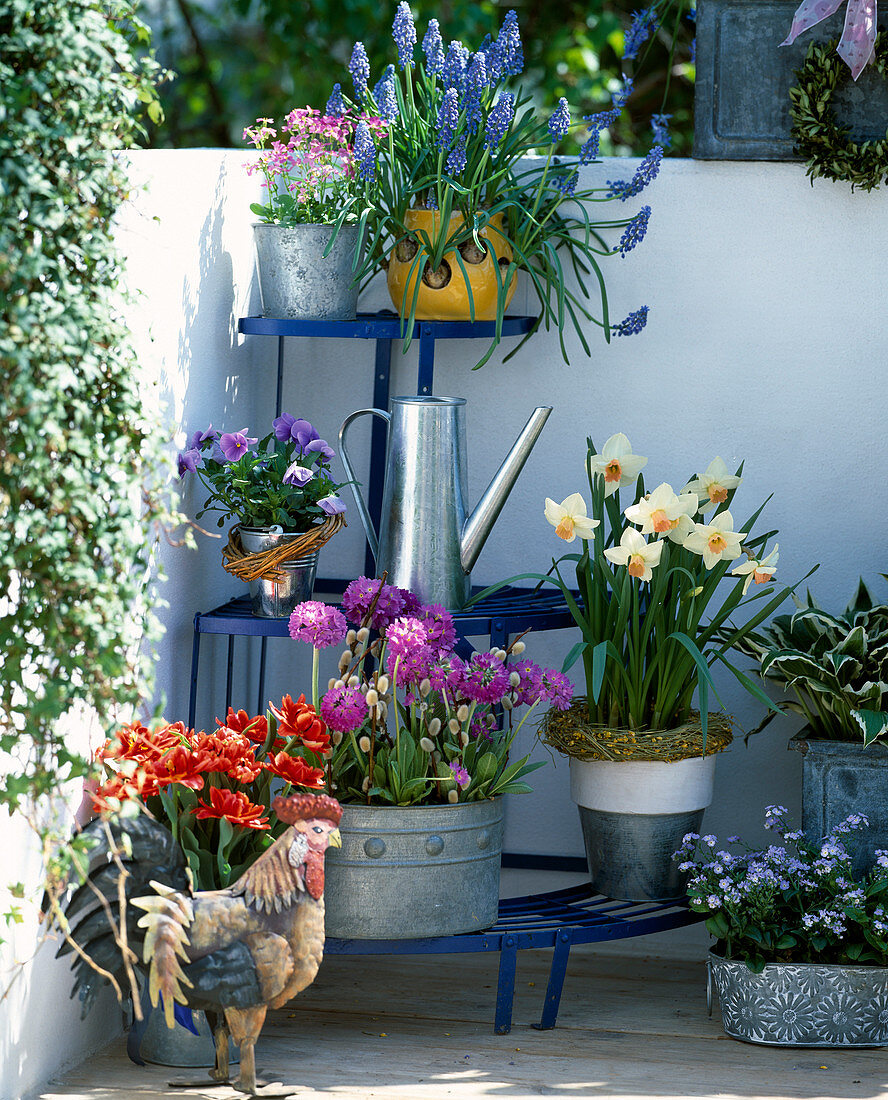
801,1004
634,815
840,778
296,279
405,872
743,78
276,598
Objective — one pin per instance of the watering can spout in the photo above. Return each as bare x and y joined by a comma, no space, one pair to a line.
478,525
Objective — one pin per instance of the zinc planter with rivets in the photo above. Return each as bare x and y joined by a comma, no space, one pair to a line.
296,279
405,872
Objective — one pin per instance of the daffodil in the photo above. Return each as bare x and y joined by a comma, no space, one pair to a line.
616,463
638,555
569,518
758,571
663,512
717,541
713,486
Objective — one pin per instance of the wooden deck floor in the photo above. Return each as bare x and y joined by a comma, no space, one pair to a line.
421,1028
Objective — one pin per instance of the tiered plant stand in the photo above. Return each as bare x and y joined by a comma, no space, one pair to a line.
558,919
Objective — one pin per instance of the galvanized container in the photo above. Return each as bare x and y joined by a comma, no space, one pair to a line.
840,778
275,599
801,1004
410,871
296,279
177,1046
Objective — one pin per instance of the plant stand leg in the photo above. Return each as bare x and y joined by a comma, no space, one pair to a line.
505,988
557,972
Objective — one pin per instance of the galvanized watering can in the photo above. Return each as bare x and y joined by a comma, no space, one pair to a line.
428,541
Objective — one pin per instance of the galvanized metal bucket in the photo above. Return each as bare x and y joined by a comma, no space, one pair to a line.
177,1046
801,1004
410,871
634,815
275,599
296,279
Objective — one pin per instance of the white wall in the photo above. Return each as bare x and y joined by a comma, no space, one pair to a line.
765,343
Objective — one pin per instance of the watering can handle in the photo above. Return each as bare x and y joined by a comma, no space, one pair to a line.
350,474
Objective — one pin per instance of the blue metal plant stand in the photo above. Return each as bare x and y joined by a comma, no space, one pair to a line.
558,919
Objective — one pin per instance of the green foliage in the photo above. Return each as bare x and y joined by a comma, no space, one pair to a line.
79,465
818,136
236,59
835,665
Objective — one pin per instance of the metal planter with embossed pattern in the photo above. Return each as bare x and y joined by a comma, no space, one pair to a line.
802,1004
410,871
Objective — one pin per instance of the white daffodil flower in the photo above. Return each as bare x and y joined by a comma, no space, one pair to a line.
717,541
713,486
758,571
662,512
616,463
569,518
639,556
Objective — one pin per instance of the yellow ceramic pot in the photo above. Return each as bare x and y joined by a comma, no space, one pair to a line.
443,294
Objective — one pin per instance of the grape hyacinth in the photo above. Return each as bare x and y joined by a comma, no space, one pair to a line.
660,129
507,50
476,82
634,232
365,152
644,24
597,122
499,120
456,162
404,34
633,324
385,95
621,97
559,122
359,67
566,183
455,62
448,118
645,173
433,48
335,104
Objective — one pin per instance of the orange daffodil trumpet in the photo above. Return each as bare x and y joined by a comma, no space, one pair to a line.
716,541
758,572
616,464
638,555
570,519
713,486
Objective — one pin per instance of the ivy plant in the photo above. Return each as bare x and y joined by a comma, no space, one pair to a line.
81,471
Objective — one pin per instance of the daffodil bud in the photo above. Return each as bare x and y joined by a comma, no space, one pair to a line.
435,727
426,745
364,743
518,648
453,725
462,713
336,739
452,796
382,684
363,634
372,697
463,739
425,686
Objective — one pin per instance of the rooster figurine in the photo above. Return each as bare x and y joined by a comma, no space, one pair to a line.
233,953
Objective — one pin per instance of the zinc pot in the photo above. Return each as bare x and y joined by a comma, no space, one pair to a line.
840,778
275,599
443,295
802,1004
296,279
634,815
410,871
150,1040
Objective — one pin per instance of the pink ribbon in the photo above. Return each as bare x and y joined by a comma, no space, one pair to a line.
858,40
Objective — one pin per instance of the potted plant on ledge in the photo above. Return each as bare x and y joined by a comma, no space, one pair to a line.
802,951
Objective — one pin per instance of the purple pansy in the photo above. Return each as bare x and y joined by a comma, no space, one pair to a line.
319,446
235,445
198,438
332,505
297,475
189,460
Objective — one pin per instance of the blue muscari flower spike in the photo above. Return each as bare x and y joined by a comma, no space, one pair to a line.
597,122
335,104
634,232
499,120
433,48
385,96
633,324
404,34
455,61
365,152
559,121
660,128
448,118
567,185
644,24
476,82
456,162
359,67
645,173
507,48
621,97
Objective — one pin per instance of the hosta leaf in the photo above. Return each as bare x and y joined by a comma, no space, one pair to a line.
873,723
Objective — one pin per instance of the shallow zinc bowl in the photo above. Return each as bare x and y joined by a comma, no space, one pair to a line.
802,1004
409,871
